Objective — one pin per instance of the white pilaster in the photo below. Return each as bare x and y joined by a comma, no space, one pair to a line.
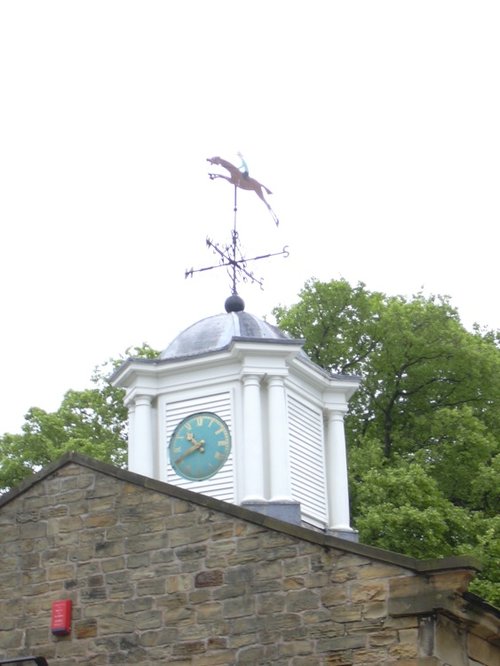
143,457
253,449
131,436
336,473
281,489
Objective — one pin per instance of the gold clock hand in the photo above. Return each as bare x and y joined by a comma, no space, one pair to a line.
192,449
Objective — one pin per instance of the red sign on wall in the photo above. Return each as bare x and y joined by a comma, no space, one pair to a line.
60,623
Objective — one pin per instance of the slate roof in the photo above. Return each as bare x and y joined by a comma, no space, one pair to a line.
216,333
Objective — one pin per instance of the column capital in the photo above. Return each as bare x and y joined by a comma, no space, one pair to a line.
138,396
276,377
250,378
337,412
143,399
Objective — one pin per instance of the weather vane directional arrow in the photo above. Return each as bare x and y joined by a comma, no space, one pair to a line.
231,255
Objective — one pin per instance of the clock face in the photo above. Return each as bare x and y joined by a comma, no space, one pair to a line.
199,446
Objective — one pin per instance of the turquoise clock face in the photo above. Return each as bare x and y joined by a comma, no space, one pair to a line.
199,446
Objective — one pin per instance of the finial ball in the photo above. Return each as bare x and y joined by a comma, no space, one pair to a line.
234,303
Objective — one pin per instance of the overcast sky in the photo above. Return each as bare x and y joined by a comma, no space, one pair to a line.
375,124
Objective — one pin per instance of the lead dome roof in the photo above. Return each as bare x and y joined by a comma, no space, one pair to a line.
216,333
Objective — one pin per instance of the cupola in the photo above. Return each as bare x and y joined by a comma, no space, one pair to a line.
284,414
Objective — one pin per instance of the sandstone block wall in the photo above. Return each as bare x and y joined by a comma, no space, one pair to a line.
156,578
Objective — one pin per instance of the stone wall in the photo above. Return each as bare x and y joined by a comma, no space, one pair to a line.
159,575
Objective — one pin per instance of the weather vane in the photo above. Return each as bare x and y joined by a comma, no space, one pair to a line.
231,255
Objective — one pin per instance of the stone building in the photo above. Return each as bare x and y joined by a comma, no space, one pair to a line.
158,574
228,540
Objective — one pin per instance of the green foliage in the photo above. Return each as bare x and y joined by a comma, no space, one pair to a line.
402,509
337,322
414,357
92,421
424,427
456,446
485,488
487,550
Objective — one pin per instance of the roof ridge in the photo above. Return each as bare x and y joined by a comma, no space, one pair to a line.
300,532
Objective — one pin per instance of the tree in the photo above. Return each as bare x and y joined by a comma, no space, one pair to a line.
401,508
337,321
414,357
487,550
486,488
456,448
92,421
424,427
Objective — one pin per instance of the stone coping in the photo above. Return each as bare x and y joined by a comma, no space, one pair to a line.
300,532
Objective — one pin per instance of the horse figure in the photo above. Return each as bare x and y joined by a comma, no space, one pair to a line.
242,180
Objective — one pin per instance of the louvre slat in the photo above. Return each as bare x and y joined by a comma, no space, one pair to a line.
306,453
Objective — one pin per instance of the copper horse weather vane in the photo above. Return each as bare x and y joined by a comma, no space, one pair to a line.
240,177
231,255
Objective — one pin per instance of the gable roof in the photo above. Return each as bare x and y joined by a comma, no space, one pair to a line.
303,533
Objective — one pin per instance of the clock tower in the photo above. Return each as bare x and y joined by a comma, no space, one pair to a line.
235,409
